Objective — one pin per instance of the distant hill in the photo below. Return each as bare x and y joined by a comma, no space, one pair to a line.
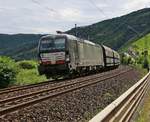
19,46
114,33
117,31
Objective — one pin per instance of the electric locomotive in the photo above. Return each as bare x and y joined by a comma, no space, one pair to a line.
61,54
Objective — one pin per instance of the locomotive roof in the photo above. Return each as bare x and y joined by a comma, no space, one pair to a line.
71,37
89,42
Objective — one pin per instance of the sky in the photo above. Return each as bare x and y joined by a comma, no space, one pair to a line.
48,16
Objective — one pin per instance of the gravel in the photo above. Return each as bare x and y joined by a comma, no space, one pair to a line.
77,106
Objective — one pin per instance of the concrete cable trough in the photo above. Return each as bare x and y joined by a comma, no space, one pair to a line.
122,109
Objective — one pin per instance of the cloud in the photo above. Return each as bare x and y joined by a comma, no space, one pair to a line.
47,16
136,4
71,14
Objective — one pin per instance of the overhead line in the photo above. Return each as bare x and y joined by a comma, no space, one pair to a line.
98,8
117,27
45,7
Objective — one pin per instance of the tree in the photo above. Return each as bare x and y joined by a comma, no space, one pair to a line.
8,71
27,64
146,64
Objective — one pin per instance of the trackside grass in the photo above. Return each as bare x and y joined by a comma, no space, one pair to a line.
28,73
30,76
18,73
144,110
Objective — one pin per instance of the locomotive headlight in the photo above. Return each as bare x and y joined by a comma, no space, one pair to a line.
67,58
42,55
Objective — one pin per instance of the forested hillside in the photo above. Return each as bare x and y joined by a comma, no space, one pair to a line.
19,46
138,47
117,31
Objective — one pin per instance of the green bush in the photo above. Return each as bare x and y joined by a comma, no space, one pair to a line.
26,76
140,59
8,71
20,73
146,64
27,64
125,60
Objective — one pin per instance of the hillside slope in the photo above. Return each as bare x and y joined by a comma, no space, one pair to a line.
139,46
19,46
117,31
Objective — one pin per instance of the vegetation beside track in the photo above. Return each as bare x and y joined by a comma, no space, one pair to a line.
25,72
137,53
8,71
144,109
28,73
18,73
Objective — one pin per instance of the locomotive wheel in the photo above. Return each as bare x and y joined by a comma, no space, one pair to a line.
56,77
71,74
47,76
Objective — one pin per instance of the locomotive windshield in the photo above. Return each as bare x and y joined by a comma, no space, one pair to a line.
52,44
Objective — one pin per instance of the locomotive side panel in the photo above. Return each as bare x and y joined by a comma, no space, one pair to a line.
90,55
80,54
72,54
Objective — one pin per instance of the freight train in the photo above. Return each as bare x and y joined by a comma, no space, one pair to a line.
61,54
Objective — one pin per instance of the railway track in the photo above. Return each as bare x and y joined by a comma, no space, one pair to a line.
17,88
15,91
15,103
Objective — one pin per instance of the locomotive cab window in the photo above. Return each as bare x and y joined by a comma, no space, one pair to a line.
52,44
60,43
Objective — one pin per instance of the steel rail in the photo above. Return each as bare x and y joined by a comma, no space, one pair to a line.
17,88
48,84
48,89
122,109
58,91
